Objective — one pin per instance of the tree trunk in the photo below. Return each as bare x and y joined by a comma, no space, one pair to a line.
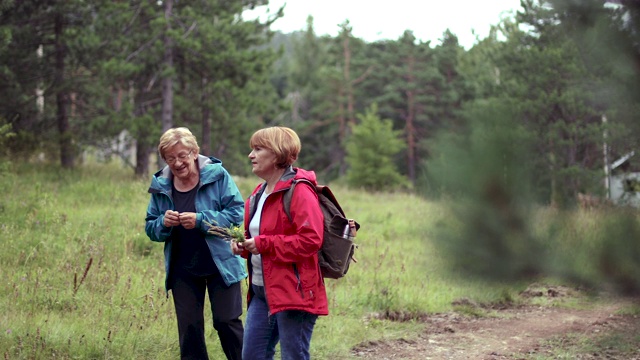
141,134
409,121
411,141
205,147
66,147
347,80
556,198
339,153
143,151
167,81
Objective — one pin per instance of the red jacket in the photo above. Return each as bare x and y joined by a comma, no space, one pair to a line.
289,249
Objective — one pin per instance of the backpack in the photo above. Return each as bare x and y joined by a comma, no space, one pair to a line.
338,247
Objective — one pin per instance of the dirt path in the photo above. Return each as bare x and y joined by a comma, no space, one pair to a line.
514,333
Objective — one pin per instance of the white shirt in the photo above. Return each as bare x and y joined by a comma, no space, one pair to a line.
254,230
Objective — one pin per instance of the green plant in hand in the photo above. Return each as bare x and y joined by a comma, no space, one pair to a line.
233,233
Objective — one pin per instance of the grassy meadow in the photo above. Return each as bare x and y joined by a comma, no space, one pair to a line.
81,280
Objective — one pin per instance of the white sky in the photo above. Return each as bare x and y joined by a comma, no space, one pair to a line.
373,20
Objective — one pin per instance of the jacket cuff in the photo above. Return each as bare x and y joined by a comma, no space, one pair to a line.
199,221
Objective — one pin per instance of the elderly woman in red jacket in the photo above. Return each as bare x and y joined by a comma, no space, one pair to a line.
287,291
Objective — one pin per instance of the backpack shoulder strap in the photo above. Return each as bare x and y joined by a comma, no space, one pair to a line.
286,198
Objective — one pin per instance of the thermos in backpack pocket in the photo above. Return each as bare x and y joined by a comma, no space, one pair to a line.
336,253
337,248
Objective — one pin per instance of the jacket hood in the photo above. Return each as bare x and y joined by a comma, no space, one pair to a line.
292,173
307,175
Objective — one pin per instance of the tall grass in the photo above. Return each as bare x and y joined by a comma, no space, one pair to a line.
80,279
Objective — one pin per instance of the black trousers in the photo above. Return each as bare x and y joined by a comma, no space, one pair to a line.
226,305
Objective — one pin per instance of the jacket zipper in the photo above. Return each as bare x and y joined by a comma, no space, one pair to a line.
299,284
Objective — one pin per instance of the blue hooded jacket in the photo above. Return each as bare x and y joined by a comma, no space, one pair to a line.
218,201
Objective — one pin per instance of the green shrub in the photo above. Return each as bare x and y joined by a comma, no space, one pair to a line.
371,151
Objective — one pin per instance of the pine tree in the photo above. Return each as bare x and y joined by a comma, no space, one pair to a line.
46,64
407,85
371,153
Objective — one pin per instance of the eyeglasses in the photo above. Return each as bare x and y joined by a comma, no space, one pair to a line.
182,157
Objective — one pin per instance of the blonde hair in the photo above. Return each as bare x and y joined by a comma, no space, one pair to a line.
175,136
283,141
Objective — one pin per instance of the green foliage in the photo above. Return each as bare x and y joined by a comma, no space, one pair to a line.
486,178
410,89
560,77
108,80
371,152
5,135
46,73
572,63
497,231
227,69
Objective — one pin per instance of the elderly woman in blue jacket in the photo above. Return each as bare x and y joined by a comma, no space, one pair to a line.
187,195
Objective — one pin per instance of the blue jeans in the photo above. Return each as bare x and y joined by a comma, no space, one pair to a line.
293,328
